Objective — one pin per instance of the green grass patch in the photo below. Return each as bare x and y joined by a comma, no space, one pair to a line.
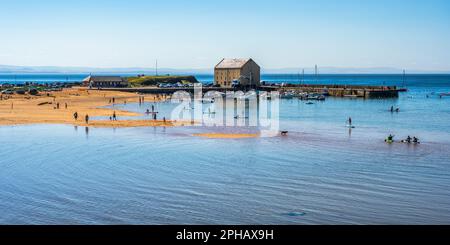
155,80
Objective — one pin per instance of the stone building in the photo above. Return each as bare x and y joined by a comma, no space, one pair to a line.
105,81
232,72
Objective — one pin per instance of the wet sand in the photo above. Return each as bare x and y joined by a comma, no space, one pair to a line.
226,136
42,109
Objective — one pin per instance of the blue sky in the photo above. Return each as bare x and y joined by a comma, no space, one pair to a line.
406,34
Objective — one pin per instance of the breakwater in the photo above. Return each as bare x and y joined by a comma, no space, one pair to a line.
361,91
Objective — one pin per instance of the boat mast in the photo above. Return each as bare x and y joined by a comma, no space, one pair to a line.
303,76
316,74
404,78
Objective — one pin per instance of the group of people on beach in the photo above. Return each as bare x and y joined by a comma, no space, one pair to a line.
396,110
57,106
153,113
86,118
113,117
141,100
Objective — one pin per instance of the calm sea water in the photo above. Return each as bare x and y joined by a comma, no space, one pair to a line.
322,173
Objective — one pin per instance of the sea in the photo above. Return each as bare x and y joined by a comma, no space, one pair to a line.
321,173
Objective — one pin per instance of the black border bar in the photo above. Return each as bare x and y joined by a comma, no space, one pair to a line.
235,234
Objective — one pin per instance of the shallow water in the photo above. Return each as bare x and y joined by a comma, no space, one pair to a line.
322,173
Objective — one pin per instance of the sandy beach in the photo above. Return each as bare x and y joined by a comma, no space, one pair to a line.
43,108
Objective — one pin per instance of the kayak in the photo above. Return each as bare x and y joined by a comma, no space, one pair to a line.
411,142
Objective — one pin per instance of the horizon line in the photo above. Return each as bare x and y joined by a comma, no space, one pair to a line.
86,69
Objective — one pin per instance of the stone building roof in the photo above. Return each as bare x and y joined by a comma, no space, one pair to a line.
232,63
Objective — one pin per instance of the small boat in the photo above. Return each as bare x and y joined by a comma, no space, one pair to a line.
315,97
287,96
265,96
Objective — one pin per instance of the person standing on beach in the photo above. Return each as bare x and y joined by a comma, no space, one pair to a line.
114,116
65,104
75,116
86,118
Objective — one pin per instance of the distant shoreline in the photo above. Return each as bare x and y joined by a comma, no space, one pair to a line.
323,70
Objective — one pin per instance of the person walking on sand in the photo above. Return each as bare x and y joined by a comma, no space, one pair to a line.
65,104
75,116
86,118
114,100
114,116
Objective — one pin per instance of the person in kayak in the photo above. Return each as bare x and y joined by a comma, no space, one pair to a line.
390,138
408,139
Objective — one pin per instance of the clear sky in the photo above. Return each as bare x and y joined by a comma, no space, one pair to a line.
407,34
